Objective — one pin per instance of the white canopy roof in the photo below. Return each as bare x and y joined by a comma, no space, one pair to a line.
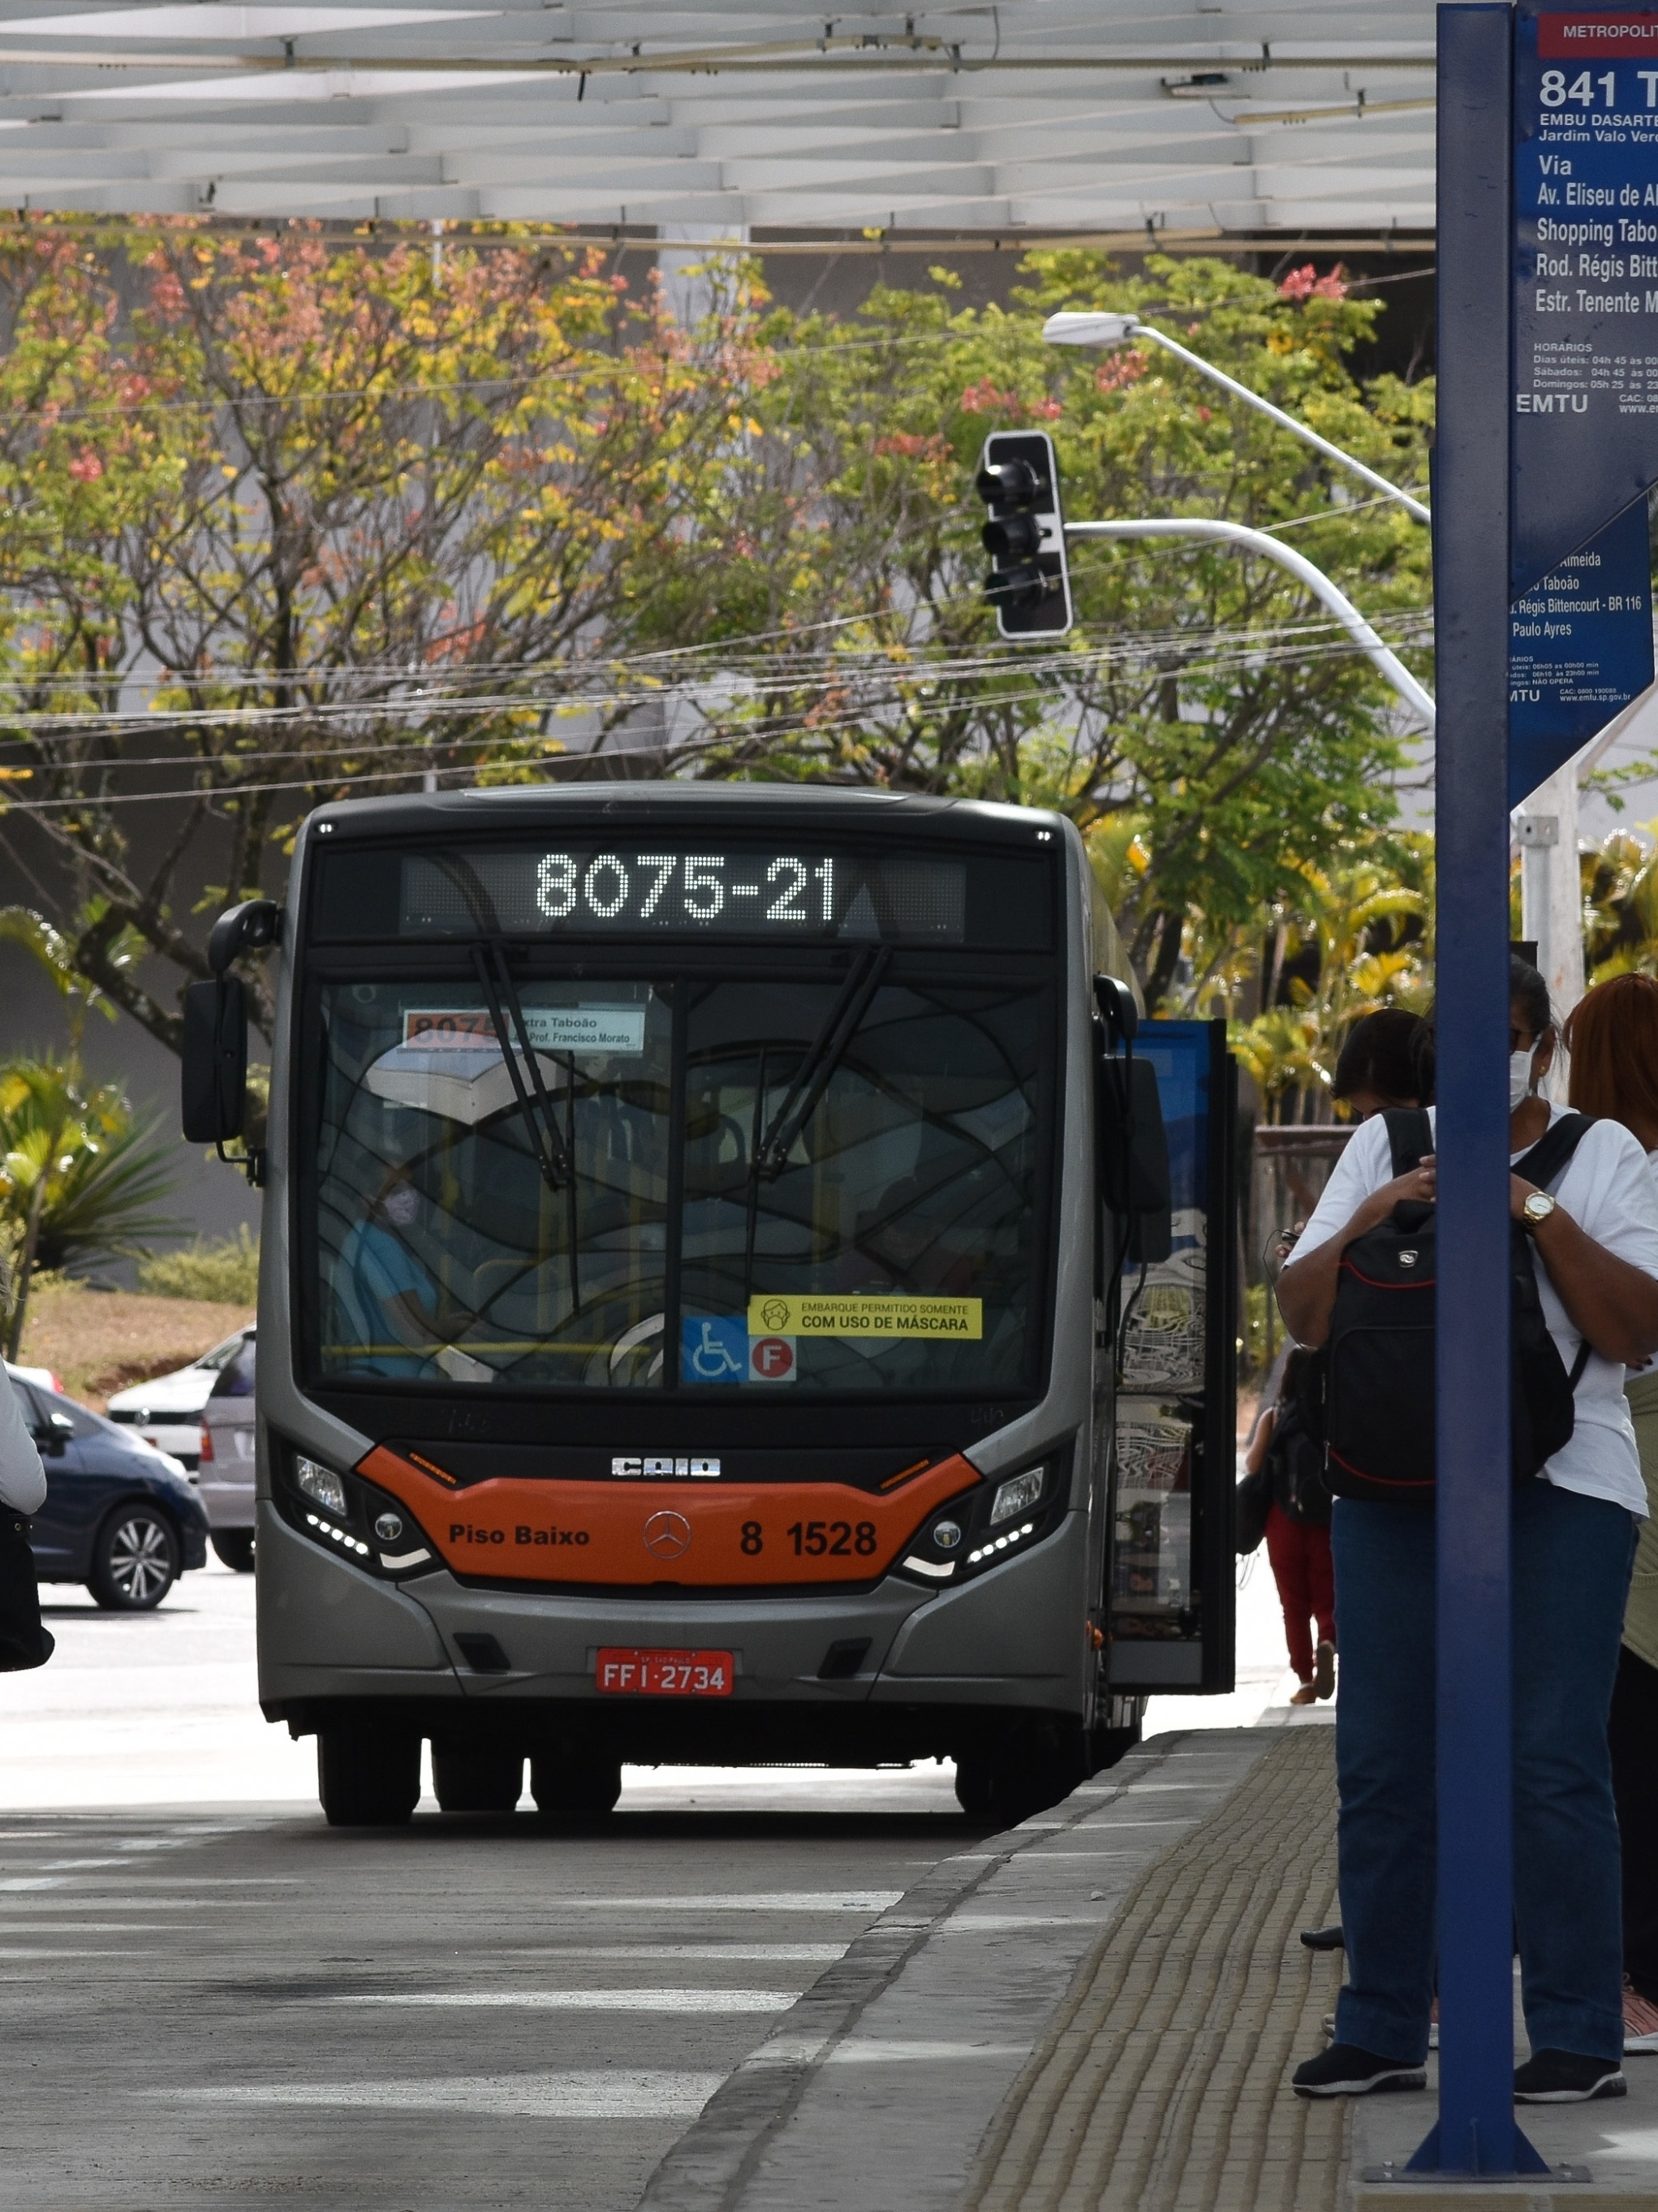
1032,116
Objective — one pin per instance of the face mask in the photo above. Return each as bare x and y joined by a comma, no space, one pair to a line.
1519,1078
401,1206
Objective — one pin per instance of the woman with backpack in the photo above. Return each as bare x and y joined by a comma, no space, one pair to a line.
1384,1062
1298,1532
1612,1037
1585,1307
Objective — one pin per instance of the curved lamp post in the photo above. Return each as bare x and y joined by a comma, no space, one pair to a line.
1259,541
1103,328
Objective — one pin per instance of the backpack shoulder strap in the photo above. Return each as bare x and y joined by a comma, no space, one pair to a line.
1550,1155
1547,1159
1410,1136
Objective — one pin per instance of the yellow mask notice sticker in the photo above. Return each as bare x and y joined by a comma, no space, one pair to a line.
836,1314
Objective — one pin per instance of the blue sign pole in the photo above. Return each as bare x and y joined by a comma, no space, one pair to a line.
1476,2131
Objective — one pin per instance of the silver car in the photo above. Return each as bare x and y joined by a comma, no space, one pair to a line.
224,1471
166,1410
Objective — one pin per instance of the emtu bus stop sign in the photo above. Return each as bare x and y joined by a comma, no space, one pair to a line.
1585,433
1580,649
1548,257
1585,425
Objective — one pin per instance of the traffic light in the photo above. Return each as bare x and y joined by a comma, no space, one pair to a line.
1028,584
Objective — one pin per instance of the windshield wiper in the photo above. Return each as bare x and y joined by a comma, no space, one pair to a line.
540,1121
813,1076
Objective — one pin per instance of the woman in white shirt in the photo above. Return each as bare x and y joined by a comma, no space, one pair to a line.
1612,1033
1573,1538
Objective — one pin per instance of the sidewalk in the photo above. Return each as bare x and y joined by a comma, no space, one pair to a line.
1099,2012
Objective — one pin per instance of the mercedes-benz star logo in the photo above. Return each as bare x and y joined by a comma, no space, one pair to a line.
667,1536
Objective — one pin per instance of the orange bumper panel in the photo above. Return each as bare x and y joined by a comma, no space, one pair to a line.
713,1535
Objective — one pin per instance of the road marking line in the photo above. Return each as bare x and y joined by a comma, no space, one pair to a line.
691,2001
143,1881
763,1900
45,1951
612,2095
803,1954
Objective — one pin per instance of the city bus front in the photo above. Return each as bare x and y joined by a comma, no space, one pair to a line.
677,1322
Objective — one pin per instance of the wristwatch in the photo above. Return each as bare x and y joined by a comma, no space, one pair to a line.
1537,1208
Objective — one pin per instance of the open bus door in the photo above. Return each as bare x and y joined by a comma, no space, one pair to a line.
1170,1588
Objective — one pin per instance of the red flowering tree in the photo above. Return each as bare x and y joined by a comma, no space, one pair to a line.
294,521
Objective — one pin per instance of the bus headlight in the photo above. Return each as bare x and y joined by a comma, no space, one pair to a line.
977,1531
1017,1497
322,1486
351,1517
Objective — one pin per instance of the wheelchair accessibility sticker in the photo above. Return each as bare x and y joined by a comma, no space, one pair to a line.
718,1348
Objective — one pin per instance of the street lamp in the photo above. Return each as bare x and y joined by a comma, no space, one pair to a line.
1105,328
1257,541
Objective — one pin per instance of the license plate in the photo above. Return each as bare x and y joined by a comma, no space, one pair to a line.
626,1673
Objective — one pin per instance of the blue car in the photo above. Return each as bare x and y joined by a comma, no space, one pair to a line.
119,1515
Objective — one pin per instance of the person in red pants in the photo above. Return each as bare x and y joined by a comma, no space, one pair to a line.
1298,1536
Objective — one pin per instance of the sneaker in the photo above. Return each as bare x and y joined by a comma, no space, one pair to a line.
1640,2020
1304,1696
1562,2077
1344,2070
1324,1671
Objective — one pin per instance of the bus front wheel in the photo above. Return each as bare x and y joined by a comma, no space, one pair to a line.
367,1776
574,1784
1025,1771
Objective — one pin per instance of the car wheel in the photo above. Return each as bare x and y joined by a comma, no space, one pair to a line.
234,1546
585,1783
367,1775
476,1778
134,1559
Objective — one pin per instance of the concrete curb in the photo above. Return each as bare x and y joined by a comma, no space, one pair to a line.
874,2091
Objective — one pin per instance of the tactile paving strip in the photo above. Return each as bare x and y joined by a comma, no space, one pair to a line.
1162,2083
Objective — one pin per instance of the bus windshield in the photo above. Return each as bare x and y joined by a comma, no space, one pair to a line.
826,1182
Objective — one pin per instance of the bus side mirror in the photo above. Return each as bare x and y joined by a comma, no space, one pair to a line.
214,1060
1134,1155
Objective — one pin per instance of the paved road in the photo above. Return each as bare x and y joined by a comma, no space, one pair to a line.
209,1998
201,2010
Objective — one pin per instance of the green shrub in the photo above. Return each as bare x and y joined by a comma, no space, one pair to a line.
227,1273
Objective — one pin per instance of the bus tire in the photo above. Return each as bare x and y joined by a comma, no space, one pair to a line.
477,1778
234,1549
584,1782
1025,1773
367,1776
974,1786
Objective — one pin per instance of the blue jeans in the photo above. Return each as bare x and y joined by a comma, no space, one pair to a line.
1572,1557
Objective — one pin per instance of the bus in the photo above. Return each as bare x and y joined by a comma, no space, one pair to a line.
735,1290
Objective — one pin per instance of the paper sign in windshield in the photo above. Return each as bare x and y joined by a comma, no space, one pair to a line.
838,1313
552,1029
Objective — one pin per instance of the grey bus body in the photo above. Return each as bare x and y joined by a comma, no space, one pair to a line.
417,1365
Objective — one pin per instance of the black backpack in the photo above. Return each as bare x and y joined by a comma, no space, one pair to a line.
1378,1365
1295,1462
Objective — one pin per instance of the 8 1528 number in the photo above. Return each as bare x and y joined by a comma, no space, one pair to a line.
815,1539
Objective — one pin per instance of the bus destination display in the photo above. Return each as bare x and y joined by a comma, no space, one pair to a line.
645,889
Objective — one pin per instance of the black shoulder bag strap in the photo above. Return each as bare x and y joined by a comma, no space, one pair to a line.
1545,1162
1410,1136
